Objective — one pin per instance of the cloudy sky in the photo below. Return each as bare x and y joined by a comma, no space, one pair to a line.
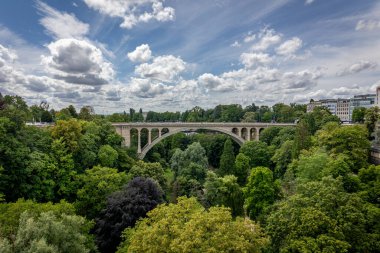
175,54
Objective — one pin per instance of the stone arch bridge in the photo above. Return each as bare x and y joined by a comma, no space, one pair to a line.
157,131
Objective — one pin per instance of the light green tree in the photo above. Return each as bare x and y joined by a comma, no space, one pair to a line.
51,233
195,153
97,183
70,131
10,214
151,170
187,226
107,156
249,117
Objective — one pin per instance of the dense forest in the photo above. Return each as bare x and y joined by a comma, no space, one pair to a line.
72,186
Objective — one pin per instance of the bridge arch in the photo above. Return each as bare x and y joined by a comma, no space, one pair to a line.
148,147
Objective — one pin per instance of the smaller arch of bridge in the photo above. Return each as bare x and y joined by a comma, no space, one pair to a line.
148,147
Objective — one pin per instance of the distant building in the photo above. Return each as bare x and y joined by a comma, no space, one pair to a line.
378,96
365,101
343,108
310,107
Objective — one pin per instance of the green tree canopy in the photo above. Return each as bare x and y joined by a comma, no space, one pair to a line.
257,152
224,191
96,184
349,140
187,226
51,233
10,214
358,114
227,159
151,170
371,117
123,209
260,191
322,217
195,153
107,156
242,168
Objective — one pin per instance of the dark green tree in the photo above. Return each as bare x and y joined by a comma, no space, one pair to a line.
370,119
227,160
224,191
358,114
242,168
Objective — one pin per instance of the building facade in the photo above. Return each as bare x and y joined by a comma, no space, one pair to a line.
343,108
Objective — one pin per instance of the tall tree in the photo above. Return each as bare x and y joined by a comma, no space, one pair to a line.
371,117
260,191
227,160
242,168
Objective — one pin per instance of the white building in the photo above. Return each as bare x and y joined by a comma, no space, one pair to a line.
343,108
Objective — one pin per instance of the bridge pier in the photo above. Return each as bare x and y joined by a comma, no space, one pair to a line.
138,140
149,136
257,134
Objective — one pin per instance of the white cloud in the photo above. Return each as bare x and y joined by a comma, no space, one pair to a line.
215,83
7,54
8,73
133,11
60,24
289,47
250,38
268,37
253,59
300,80
78,62
142,53
235,44
368,25
145,88
163,68
307,2
357,67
